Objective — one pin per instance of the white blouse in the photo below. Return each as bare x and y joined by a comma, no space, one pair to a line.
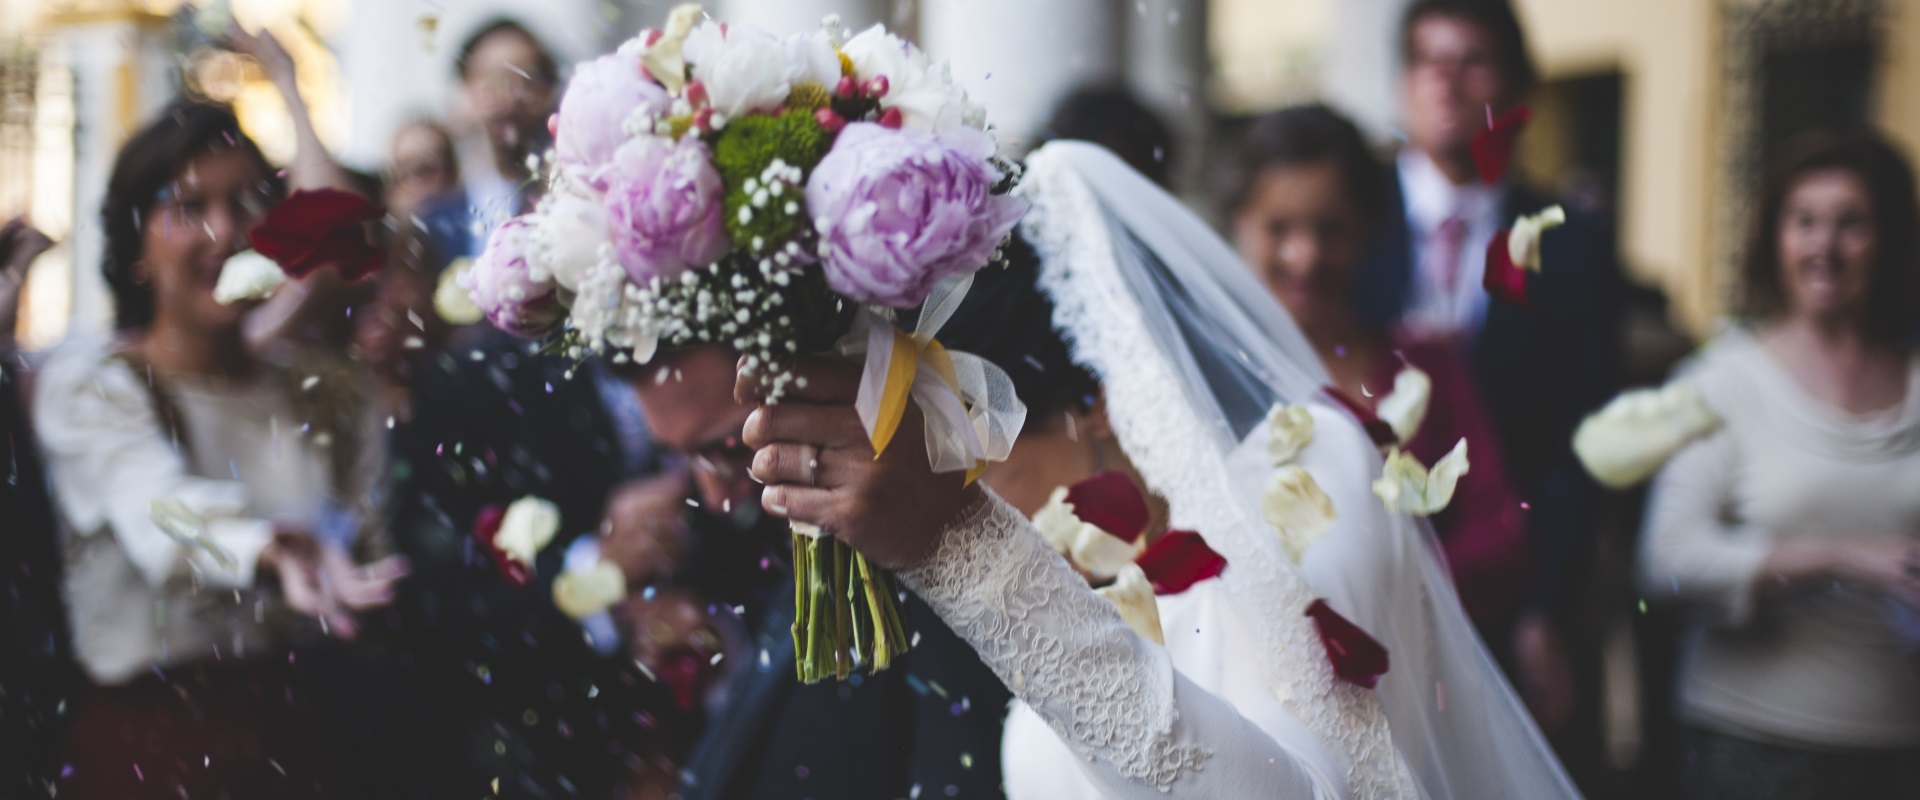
140,598
1826,665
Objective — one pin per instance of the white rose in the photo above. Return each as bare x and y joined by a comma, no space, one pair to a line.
921,88
451,300
1295,505
1407,485
1132,594
528,526
569,230
585,592
247,276
1626,442
744,68
811,59
1406,406
1289,431
1523,241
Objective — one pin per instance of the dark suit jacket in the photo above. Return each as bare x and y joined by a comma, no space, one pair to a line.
1540,370
933,720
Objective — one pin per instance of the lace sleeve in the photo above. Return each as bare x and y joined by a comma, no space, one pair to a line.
1139,727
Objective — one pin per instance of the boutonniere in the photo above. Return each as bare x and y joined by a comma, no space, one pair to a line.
1633,436
315,228
1513,255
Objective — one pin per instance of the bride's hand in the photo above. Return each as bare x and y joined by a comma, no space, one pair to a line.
819,467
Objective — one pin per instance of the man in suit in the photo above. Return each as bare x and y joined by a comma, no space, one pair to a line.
1539,367
928,726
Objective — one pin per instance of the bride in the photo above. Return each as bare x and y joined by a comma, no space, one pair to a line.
1141,344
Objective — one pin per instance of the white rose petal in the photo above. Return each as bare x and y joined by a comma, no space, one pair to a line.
528,526
1523,241
583,593
1406,406
1407,485
1132,594
1298,508
451,298
1626,442
1289,430
1100,554
247,276
1057,523
745,69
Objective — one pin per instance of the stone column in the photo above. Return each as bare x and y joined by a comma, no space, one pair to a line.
1168,67
1019,57
120,60
1362,74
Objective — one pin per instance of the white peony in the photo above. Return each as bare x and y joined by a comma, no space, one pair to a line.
1296,506
920,87
451,300
811,59
583,593
569,232
1132,594
247,275
743,68
1626,442
1523,241
1406,406
528,526
1289,431
1407,485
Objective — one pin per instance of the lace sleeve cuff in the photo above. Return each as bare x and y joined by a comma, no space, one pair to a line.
1058,646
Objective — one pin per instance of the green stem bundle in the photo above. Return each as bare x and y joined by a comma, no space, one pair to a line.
845,616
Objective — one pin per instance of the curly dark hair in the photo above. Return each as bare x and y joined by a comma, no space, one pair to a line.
1497,18
1893,296
153,158
1299,136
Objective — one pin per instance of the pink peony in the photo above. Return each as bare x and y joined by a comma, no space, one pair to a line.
604,92
511,294
899,211
664,207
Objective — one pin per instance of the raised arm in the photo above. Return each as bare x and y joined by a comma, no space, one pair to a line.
1142,729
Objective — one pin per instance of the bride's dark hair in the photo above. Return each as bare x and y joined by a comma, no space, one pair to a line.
1008,320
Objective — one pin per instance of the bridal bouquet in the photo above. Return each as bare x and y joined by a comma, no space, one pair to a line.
713,184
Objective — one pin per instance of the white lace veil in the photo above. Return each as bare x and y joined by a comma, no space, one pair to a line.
1191,352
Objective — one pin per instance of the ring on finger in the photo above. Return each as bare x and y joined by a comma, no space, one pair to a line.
813,465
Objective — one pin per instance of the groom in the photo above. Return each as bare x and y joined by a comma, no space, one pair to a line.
927,727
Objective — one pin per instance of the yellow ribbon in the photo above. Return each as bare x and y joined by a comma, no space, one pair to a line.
903,362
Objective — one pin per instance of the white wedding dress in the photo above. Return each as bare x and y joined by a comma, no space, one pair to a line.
1242,701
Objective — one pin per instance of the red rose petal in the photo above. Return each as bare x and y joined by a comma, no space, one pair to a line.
1377,429
486,526
1179,560
1356,657
1112,502
314,228
1492,147
1504,279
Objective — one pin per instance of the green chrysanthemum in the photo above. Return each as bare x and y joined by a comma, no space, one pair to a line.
757,215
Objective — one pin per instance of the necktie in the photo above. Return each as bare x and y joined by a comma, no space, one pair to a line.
1443,253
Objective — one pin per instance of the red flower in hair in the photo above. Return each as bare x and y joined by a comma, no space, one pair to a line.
1377,429
486,526
1112,502
314,228
1179,560
1356,657
1492,147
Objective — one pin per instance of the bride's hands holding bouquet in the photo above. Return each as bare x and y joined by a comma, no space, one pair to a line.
819,467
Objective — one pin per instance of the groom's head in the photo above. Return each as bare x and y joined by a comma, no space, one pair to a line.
688,397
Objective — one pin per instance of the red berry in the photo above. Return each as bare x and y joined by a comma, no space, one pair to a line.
703,119
878,87
697,93
553,124
649,36
829,121
846,87
890,118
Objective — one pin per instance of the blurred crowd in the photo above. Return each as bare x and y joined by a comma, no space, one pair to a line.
339,628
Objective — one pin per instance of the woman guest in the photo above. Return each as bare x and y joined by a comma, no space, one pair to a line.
1795,527
203,492
1302,202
